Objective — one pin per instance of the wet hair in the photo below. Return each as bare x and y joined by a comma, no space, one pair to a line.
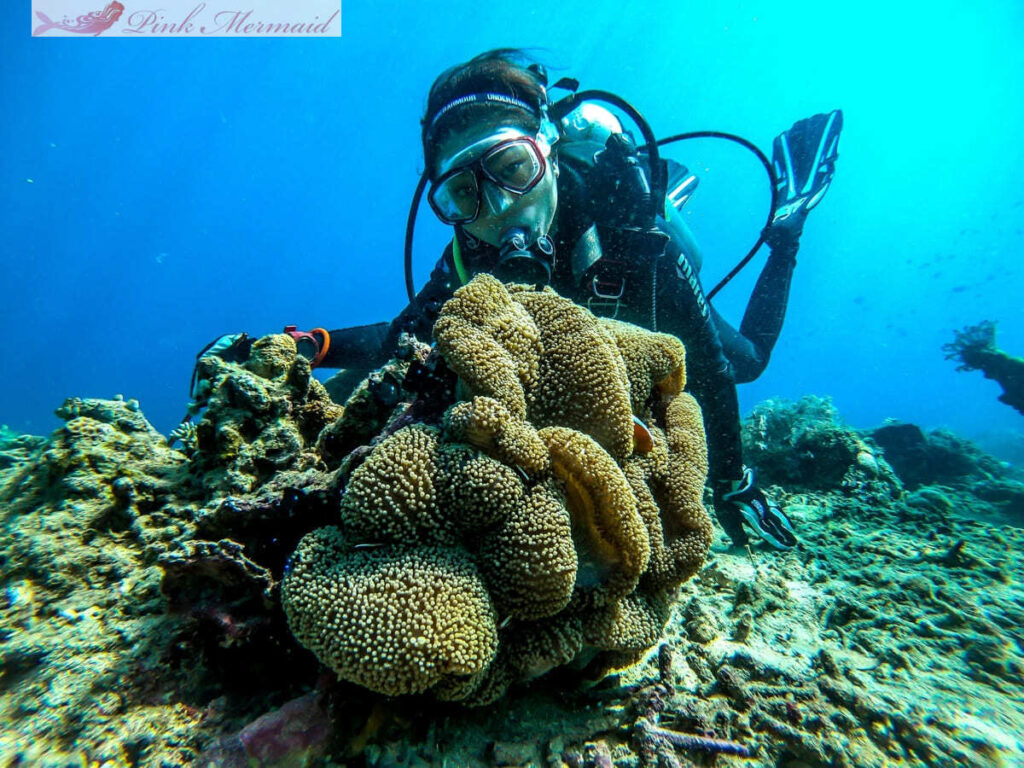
506,71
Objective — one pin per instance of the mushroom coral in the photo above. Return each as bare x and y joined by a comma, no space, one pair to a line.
529,529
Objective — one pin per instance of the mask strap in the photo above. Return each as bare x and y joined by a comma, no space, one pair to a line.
479,98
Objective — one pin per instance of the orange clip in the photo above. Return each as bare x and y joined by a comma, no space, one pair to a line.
323,347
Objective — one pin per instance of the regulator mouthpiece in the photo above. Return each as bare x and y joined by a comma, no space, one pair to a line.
517,263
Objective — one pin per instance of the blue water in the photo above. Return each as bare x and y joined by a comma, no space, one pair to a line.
156,193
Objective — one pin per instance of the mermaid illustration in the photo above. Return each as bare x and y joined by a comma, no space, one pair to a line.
93,23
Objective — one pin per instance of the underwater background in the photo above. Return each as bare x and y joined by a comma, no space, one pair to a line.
155,193
521,579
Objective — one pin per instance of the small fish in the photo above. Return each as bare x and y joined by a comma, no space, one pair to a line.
93,23
643,441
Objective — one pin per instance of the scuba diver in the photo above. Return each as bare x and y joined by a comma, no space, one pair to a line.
557,193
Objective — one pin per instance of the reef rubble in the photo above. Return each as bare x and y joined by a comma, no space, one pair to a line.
141,617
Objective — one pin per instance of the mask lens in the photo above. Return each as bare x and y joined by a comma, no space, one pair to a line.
456,197
514,166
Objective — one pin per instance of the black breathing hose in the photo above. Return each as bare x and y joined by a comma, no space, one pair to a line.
771,181
410,226
659,174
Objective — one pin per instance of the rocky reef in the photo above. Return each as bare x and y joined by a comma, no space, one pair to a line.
484,560
138,580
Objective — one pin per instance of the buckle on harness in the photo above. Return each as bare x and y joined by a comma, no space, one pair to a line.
606,297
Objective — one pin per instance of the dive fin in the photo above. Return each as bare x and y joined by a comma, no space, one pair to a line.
770,523
804,158
762,515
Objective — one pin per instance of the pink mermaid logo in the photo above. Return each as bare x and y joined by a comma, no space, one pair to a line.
94,23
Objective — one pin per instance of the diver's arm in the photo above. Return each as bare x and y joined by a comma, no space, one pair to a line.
749,348
766,311
370,346
803,158
362,347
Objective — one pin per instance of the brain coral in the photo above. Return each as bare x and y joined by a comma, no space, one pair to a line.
610,532
393,495
542,357
582,381
668,483
654,361
525,531
487,424
530,562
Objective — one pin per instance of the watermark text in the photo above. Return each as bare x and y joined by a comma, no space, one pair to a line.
187,18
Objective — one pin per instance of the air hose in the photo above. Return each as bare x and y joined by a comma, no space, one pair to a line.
771,181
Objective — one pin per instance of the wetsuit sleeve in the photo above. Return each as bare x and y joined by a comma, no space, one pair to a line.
765,313
361,347
366,347
750,347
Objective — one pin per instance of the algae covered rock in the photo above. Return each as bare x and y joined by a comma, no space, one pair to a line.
805,446
922,457
261,417
525,521
139,579
82,620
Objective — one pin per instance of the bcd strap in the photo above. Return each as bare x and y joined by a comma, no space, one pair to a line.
613,269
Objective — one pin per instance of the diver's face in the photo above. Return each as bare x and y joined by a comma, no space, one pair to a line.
501,210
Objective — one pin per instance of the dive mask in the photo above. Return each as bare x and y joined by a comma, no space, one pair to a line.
514,163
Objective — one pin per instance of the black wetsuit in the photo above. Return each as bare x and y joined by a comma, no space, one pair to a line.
656,285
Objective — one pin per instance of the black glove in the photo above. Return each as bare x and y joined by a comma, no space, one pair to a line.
231,347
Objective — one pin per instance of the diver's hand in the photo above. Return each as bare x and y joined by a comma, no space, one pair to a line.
230,347
783,234
746,504
803,161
